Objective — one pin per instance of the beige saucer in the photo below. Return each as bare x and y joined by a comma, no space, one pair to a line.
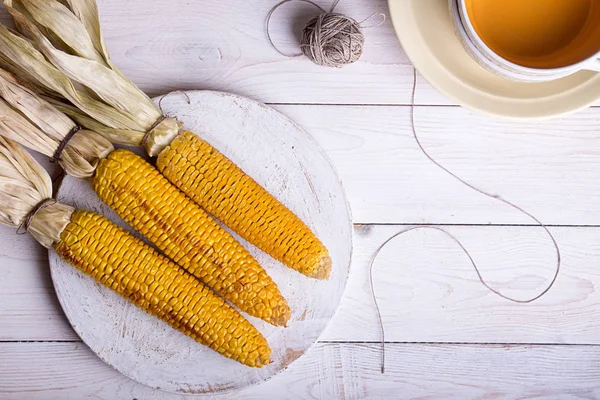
425,30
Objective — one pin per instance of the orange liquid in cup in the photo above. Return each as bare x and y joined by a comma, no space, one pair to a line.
538,33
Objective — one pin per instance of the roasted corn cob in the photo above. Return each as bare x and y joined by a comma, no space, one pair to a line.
125,264
225,191
185,233
122,262
146,200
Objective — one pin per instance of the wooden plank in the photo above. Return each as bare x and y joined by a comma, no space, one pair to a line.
27,298
344,371
198,49
165,46
546,167
388,180
428,291
19,247
222,45
29,309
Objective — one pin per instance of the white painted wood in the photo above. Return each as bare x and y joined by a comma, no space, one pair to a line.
19,247
428,291
286,161
222,45
550,168
46,371
567,158
29,309
181,44
547,167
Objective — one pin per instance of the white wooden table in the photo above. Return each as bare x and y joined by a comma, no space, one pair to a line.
448,336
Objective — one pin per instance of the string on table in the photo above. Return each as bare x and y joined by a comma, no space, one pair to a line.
454,238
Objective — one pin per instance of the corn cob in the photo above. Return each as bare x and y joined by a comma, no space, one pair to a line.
125,264
113,257
186,234
225,191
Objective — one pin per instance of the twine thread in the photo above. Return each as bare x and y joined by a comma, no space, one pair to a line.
152,128
454,238
189,101
162,117
332,40
63,144
328,39
29,217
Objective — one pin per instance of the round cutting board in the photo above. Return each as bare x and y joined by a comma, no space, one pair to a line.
285,160
427,34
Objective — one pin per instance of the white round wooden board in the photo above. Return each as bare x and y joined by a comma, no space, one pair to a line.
289,164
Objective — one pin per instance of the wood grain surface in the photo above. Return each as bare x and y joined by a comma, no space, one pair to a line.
427,289
483,347
332,371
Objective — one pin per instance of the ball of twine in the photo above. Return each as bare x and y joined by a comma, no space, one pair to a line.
329,39
332,40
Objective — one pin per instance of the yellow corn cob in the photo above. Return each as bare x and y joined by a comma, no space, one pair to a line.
125,264
225,191
187,235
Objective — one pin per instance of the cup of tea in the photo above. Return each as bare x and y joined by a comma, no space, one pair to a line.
530,40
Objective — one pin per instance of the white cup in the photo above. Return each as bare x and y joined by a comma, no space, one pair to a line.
500,66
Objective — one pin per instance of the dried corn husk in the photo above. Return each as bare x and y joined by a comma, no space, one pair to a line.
68,35
28,119
19,56
55,17
90,123
23,185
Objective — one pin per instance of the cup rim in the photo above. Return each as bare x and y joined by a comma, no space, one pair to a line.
497,69
473,35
